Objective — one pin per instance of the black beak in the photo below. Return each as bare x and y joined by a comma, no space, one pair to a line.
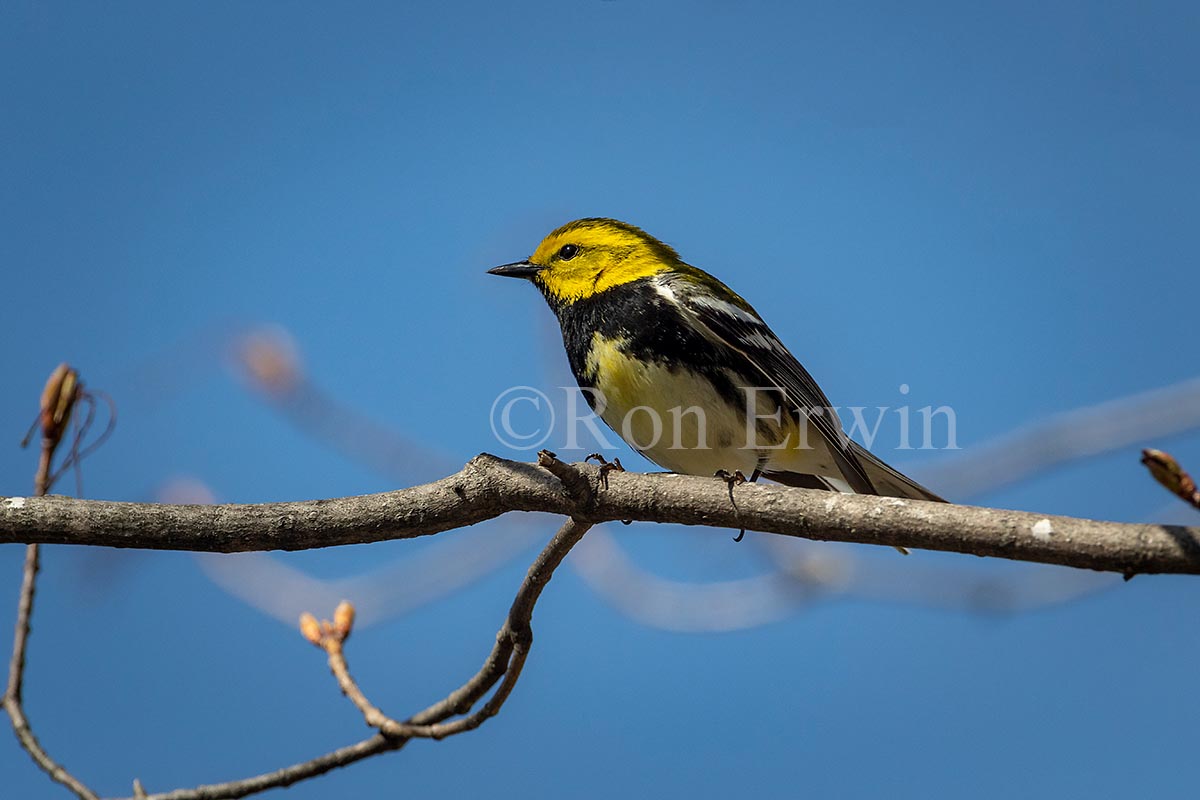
521,269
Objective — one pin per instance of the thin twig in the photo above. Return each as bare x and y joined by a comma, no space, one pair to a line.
505,661
78,451
16,667
13,701
517,631
287,776
14,690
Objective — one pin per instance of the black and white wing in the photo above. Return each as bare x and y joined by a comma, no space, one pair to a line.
730,322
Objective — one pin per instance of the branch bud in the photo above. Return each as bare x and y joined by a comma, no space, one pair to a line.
1174,478
58,400
310,629
343,619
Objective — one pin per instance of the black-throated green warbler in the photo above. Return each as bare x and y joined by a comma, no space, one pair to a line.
686,371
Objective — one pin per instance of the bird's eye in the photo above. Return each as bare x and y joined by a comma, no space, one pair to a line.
568,251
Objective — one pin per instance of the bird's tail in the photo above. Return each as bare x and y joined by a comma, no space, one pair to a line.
887,481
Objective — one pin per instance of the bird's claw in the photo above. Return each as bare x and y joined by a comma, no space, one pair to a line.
732,479
606,466
735,478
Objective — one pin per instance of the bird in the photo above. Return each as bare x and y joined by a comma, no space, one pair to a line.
686,371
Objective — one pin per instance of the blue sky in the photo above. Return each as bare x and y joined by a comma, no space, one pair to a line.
994,204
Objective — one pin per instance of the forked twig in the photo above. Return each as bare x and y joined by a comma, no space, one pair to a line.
503,665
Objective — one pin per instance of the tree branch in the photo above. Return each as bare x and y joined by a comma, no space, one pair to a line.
488,486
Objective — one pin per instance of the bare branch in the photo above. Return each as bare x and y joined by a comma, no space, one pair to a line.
287,776
13,703
489,486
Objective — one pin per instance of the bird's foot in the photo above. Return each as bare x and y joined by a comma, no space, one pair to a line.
732,479
735,478
606,466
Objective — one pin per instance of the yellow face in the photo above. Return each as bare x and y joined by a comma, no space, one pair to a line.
588,256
